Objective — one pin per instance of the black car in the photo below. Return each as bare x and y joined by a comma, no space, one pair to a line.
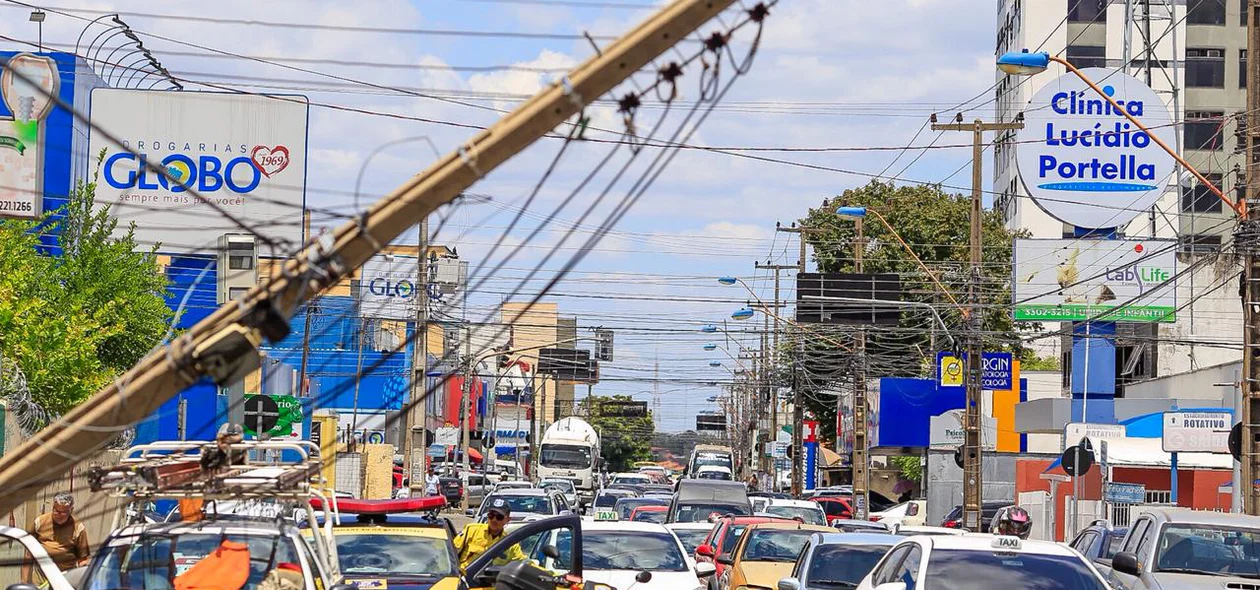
452,488
953,520
1099,541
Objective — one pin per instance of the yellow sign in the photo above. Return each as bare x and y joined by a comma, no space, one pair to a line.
951,371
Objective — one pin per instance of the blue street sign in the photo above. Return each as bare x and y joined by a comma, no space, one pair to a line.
1125,493
997,373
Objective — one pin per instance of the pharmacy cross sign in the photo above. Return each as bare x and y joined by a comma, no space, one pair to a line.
261,414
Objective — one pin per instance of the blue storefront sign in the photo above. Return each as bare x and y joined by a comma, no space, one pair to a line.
997,373
1125,493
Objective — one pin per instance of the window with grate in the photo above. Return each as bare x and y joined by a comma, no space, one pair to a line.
1200,198
1204,130
1205,12
1087,56
1205,67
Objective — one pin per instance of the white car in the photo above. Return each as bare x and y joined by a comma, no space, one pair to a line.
906,530
912,513
809,512
714,472
978,561
636,479
615,552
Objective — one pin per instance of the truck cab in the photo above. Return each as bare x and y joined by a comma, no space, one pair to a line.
570,450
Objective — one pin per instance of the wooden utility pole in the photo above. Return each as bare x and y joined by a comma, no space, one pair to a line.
798,400
860,461
973,447
1247,242
225,344
771,392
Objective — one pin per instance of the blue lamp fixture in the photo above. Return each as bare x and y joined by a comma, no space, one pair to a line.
727,280
742,313
710,346
851,211
709,329
715,363
1023,63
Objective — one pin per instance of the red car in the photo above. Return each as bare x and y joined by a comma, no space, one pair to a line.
836,507
654,514
722,539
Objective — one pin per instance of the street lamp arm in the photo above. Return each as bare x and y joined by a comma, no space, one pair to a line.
1239,207
765,308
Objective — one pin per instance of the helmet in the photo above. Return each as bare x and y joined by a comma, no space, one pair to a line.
1015,521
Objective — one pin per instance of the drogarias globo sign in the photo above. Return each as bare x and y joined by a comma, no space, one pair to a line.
1081,159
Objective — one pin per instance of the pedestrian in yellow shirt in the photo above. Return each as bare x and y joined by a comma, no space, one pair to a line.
477,537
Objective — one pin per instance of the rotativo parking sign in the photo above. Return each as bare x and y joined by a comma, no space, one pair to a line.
1083,161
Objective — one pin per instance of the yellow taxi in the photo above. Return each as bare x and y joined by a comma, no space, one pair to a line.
765,553
390,545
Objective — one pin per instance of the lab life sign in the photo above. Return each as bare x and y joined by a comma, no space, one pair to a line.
1083,161
996,373
1076,280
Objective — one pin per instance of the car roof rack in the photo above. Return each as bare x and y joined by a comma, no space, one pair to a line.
288,469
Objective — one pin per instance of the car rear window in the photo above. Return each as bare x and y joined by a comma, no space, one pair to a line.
952,569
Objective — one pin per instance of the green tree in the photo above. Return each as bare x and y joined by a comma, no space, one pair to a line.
622,440
76,316
910,467
935,225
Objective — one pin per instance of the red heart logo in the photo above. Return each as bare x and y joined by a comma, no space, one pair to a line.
270,160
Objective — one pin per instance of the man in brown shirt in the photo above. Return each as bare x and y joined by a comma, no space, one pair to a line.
62,535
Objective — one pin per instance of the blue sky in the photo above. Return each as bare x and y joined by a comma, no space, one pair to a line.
831,73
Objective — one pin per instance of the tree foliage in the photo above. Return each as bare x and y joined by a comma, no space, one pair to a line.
910,467
622,440
75,316
935,226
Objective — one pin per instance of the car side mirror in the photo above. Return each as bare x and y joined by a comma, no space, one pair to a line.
551,551
470,512
789,584
1126,562
726,559
704,570
643,577
705,551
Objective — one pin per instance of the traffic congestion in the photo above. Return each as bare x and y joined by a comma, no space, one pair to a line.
243,523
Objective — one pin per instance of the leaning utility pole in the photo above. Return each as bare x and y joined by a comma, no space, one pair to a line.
798,400
973,446
224,346
1247,242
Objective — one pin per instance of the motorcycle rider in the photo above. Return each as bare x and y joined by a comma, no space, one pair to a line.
1015,521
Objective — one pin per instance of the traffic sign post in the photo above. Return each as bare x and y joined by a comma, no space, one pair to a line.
1197,432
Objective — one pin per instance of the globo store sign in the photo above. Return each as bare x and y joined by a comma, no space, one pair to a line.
1083,161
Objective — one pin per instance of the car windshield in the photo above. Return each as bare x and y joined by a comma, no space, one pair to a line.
775,544
691,538
842,566
1193,548
397,555
653,516
608,500
155,561
631,550
719,460
565,456
952,569
530,504
563,486
807,514
714,474
702,512
632,479
625,506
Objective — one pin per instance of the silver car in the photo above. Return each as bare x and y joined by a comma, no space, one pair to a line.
1169,548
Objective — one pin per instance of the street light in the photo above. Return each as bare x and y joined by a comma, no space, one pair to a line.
851,211
727,280
709,329
1023,63
37,17
710,346
715,363
742,313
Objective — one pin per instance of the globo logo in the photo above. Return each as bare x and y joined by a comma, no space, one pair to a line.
383,287
205,173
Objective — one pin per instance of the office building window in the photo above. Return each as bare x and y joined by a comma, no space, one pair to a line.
1200,243
1242,10
1087,11
1242,68
1087,56
1205,68
1203,130
1200,198
1205,12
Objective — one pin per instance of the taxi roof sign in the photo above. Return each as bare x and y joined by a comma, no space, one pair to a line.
605,515
1007,543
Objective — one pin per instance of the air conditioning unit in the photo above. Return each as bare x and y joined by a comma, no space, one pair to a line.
238,265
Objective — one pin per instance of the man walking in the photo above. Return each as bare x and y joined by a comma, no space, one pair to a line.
62,535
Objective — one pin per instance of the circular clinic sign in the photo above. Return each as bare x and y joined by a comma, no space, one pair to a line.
1082,161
